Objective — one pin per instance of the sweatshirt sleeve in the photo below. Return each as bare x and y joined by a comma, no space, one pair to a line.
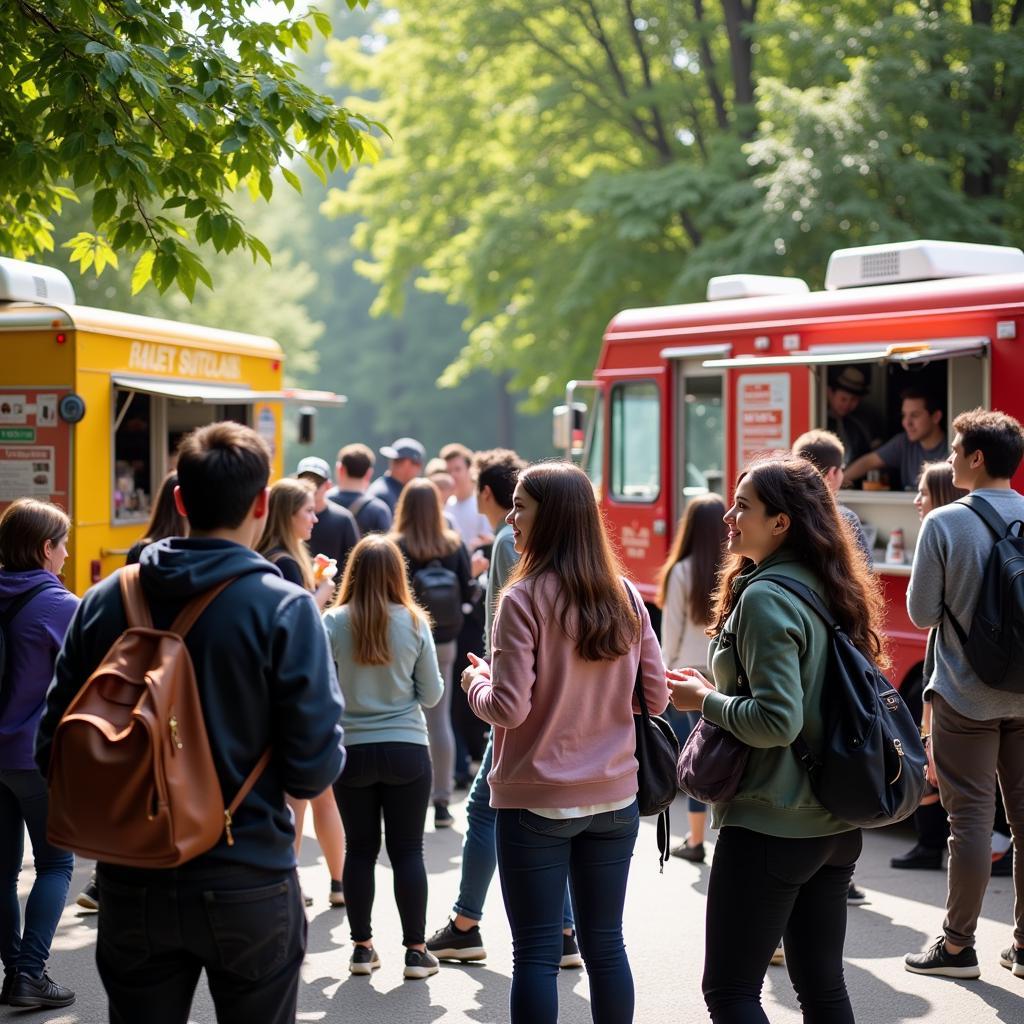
506,698
927,588
306,701
673,616
771,641
655,684
426,676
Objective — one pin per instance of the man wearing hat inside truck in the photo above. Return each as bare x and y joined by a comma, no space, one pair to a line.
406,457
335,533
921,440
844,394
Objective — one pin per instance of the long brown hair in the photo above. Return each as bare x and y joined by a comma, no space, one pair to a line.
165,520
568,539
937,479
287,496
823,542
419,522
700,537
374,580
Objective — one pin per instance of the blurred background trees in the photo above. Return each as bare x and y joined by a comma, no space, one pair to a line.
554,161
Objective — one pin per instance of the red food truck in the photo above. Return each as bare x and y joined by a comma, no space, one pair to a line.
684,396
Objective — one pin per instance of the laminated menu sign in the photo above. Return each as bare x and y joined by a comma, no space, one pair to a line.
762,415
35,447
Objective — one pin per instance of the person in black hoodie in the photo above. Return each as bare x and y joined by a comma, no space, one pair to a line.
265,679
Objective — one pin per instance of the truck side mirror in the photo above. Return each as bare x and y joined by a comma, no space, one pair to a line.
307,424
567,430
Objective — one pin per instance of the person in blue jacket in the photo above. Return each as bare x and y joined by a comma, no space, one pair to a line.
266,680
35,608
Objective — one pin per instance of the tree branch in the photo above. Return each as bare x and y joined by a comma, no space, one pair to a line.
708,67
661,137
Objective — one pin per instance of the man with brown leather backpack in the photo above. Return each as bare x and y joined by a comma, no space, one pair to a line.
218,670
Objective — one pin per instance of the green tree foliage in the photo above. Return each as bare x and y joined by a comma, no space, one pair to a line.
162,109
555,161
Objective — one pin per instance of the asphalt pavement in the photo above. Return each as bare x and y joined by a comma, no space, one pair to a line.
664,927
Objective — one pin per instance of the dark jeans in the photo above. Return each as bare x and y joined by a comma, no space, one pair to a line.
390,781
535,855
23,802
762,889
159,929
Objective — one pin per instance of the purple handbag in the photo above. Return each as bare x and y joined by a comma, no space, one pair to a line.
712,761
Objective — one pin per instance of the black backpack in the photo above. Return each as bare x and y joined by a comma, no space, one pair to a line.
9,615
870,770
438,590
994,647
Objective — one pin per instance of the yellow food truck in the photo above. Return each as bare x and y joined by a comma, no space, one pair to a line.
94,402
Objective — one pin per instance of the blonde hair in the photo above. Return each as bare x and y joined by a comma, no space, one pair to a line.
420,525
287,496
375,579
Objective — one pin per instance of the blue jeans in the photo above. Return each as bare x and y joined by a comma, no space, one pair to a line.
23,801
535,857
479,857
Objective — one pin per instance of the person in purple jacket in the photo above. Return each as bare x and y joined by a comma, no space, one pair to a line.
35,609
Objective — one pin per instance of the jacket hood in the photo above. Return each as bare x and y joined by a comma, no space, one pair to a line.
14,583
183,566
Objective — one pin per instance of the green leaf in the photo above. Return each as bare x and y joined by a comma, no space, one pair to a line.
292,178
143,271
104,205
323,23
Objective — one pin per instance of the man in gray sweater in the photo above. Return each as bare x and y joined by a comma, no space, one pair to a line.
977,733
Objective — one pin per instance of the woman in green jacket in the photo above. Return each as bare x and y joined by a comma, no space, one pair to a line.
782,864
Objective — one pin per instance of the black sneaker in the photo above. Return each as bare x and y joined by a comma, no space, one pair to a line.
1012,959
89,897
856,896
451,943
420,964
364,960
684,851
938,960
442,816
41,992
920,858
570,952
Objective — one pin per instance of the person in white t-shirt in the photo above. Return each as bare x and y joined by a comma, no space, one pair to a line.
469,521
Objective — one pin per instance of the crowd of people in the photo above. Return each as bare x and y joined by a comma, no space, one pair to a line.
379,637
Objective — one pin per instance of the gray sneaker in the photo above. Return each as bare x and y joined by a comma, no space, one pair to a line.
364,960
1012,958
420,964
451,943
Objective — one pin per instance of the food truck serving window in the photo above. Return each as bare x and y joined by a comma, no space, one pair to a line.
636,441
133,457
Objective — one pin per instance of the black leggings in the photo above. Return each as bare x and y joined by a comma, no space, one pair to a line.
392,780
763,888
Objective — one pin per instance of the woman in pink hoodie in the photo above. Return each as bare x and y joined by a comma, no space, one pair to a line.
568,637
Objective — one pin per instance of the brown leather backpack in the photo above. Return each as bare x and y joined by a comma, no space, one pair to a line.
132,780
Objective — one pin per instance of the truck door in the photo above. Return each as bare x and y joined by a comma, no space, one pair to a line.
698,437
636,489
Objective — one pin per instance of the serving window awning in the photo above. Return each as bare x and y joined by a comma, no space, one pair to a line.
903,353
223,394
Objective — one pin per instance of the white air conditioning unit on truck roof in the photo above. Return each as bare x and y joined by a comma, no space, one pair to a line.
32,282
924,260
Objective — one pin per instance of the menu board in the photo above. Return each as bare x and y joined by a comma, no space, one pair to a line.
762,415
35,447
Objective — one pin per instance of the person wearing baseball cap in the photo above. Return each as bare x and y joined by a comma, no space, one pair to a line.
336,532
845,392
406,457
